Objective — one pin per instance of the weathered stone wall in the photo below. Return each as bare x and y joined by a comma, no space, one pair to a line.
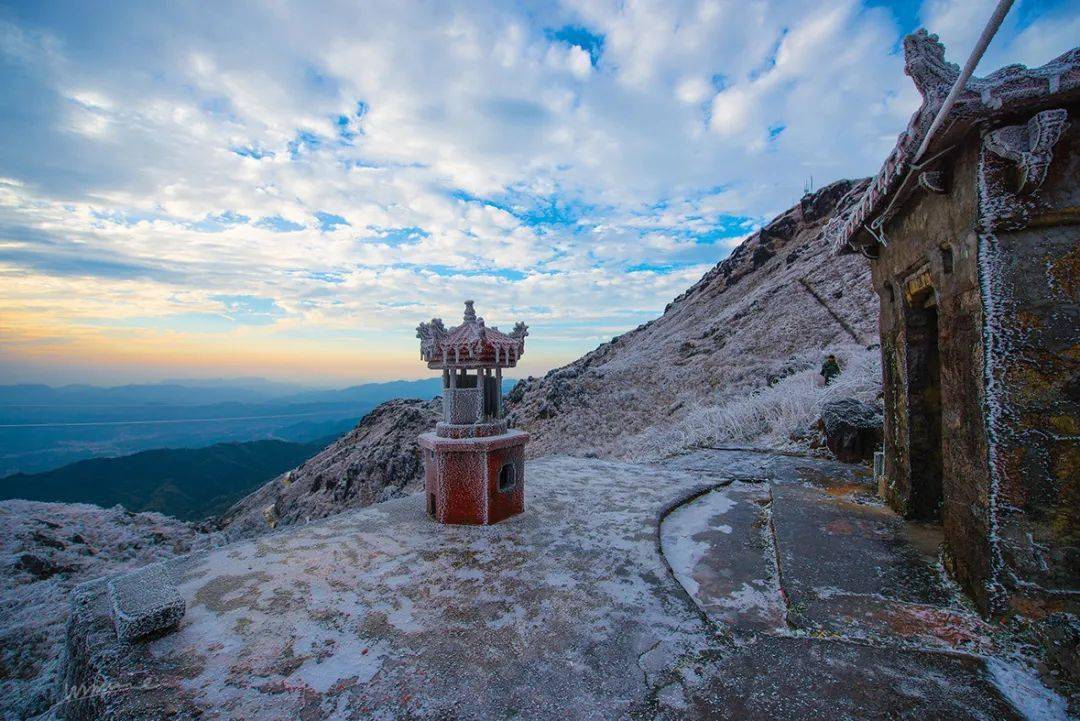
1034,365
919,241
1008,316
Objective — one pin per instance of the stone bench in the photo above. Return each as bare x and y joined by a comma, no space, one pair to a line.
145,601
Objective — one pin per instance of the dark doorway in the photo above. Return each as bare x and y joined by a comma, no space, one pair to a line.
491,397
924,407
507,478
431,504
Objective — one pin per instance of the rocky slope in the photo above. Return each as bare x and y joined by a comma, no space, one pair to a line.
376,461
766,312
47,549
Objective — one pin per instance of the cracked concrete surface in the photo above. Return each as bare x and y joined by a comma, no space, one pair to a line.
568,611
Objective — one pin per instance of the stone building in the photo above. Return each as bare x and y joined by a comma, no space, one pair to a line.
974,247
474,465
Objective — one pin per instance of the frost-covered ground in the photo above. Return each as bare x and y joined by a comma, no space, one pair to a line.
568,611
779,416
48,548
721,550
825,559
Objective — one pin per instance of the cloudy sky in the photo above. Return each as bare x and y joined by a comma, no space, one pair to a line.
286,188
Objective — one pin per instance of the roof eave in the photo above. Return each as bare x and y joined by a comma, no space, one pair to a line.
1010,90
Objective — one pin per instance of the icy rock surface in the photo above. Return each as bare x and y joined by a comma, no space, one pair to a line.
47,549
376,461
720,549
769,310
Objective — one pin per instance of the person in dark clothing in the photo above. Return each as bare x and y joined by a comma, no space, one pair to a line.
830,369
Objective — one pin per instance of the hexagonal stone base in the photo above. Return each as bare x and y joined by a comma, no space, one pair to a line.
474,481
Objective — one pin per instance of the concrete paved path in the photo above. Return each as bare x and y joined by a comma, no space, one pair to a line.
570,611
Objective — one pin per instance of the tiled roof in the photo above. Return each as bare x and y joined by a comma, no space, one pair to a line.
471,343
1011,89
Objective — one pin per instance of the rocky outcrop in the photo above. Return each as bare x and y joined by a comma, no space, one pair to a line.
775,303
376,461
47,549
1058,636
853,429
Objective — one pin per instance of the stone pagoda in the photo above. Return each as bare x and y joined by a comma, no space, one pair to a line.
474,466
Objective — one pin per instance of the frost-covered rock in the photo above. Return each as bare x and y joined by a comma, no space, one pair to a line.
770,310
376,461
145,601
1059,638
852,429
48,549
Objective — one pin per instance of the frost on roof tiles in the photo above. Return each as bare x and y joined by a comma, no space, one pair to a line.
1012,89
471,344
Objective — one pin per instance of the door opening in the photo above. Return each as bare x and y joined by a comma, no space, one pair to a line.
924,407
507,478
431,504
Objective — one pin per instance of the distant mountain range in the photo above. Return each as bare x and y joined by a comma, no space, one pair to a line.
188,483
43,427
30,403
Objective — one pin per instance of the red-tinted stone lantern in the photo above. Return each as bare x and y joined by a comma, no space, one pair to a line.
474,465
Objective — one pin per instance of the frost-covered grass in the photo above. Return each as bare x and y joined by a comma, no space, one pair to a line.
778,416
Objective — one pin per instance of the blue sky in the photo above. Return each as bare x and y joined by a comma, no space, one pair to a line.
285,189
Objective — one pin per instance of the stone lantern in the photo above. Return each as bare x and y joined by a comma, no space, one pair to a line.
474,466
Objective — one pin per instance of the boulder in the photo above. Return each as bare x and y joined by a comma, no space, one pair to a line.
853,429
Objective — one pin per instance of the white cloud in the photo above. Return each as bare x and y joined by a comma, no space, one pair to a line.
542,161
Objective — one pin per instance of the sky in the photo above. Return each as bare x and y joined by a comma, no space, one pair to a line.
285,189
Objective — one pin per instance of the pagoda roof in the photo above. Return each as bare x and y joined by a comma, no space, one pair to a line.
471,344
995,97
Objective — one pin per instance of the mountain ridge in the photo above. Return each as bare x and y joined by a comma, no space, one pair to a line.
44,427
566,410
749,323
185,483
772,308
376,461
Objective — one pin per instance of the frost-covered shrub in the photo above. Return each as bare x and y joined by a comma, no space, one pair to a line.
774,416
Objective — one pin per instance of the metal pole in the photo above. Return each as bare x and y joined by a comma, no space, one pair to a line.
988,33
